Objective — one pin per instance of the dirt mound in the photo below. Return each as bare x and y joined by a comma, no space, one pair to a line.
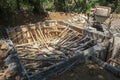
59,15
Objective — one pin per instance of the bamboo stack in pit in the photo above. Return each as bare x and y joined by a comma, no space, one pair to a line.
34,33
46,34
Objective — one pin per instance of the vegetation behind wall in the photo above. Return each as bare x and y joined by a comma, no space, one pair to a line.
8,8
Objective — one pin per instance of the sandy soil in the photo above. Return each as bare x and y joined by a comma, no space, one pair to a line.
59,15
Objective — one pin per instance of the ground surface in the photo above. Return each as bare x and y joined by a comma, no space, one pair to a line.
59,15
86,72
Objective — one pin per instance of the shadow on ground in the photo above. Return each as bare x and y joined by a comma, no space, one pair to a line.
86,72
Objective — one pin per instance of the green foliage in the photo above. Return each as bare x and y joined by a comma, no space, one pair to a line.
24,5
41,6
60,5
9,7
102,2
38,5
82,6
118,7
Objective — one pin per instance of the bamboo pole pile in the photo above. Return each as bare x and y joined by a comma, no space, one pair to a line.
47,44
43,46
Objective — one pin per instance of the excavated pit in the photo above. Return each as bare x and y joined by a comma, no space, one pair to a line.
52,47
43,44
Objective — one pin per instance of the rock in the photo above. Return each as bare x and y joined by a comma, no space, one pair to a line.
10,73
2,78
4,46
17,77
3,54
3,49
11,70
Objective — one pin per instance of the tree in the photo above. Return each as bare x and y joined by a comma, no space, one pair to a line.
60,5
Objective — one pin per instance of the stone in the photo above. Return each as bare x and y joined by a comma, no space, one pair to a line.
2,78
11,70
1,54
4,46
